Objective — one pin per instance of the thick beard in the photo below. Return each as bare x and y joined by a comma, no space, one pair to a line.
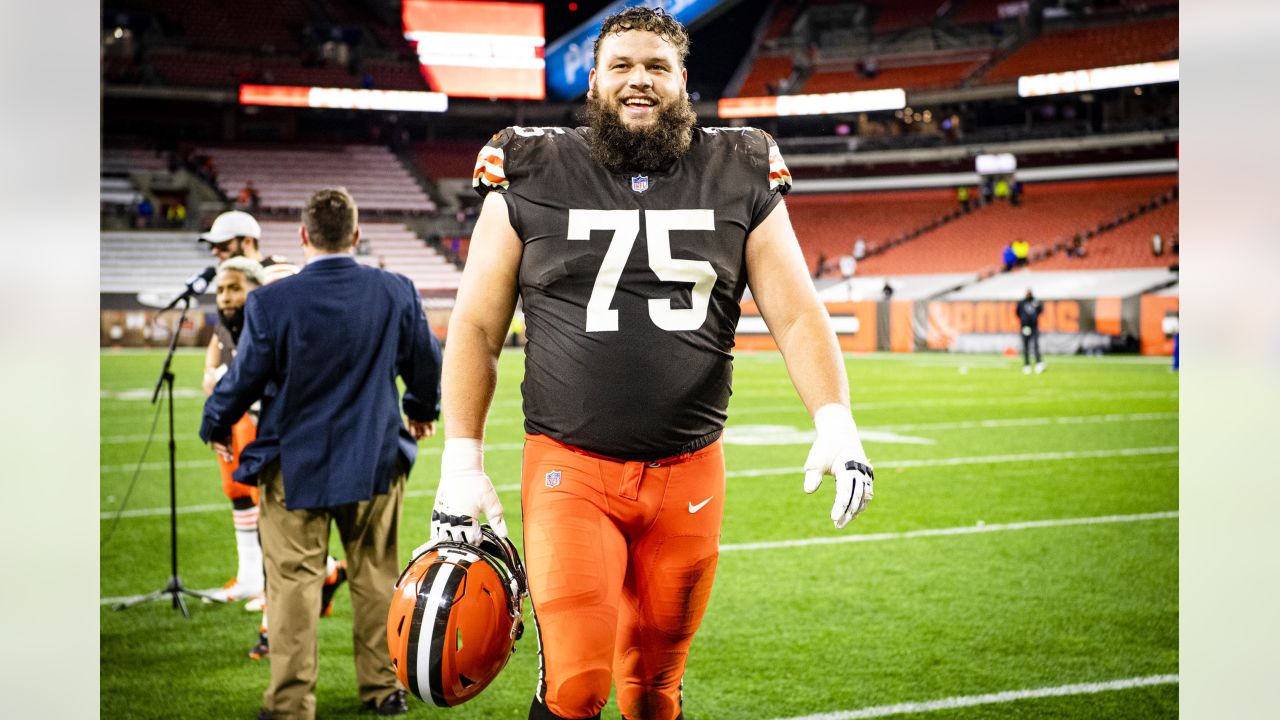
653,147
233,321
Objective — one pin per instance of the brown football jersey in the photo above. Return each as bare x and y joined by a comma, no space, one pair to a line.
631,282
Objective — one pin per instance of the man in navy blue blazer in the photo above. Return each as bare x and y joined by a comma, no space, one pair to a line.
322,350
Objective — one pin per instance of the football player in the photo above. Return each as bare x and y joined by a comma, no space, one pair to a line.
233,240
236,278
629,243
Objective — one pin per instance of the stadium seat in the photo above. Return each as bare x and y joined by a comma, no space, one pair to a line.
286,178
829,224
918,77
1092,47
1049,213
1127,246
765,71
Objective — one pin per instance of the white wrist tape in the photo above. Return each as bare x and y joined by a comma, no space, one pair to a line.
835,420
462,455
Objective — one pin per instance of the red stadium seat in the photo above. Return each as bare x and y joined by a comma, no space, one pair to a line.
829,224
766,70
1128,246
1049,213
1090,48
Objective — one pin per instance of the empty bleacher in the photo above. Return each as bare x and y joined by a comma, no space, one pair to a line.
917,77
148,261
902,14
1126,246
446,159
124,160
135,261
766,71
286,178
233,23
1049,213
117,191
1092,47
230,69
973,12
829,224
784,13
391,245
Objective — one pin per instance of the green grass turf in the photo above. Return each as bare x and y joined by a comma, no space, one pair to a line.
790,631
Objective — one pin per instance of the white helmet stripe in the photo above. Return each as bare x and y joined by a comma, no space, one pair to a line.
427,634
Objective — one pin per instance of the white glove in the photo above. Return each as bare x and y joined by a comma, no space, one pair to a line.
838,451
465,492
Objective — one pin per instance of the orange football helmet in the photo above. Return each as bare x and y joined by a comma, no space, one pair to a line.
455,618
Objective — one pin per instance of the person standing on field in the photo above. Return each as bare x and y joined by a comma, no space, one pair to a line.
332,445
630,243
1029,309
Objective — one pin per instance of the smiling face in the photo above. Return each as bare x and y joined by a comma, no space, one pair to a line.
638,73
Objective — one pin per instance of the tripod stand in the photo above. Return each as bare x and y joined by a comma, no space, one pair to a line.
174,588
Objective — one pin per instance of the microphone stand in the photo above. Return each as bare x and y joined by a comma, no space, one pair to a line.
174,588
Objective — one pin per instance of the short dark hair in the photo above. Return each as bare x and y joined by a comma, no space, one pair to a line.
330,218
653,20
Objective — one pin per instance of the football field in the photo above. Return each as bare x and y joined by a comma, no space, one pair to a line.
1020,559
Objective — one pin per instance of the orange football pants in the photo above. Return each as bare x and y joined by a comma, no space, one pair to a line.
242,433
620,557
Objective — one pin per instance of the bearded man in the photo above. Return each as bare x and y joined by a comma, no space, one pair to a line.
237,276
233,241
630,243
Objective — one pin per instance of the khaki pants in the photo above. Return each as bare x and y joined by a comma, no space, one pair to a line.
295,544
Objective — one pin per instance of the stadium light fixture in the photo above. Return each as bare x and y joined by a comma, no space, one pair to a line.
823,104
343,98
1098,78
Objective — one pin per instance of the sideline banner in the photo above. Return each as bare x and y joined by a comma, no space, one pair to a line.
1103,324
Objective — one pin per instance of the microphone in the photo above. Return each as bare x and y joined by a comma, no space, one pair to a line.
196,285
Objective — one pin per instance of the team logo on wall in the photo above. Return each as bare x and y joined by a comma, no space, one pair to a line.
553,478
640,183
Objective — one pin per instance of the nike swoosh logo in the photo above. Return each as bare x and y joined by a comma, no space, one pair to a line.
695,508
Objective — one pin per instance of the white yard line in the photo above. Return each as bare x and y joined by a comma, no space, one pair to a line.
959,425
188,509
1032,421
875,537
1024,399
762,472
945,532
1008,696
979,460
181,465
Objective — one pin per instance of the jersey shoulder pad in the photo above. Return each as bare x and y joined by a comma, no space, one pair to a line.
277,267
762,149
779,173
495,160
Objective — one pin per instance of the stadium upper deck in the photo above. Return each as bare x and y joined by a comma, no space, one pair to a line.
956,60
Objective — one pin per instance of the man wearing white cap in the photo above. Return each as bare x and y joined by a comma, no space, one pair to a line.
235,234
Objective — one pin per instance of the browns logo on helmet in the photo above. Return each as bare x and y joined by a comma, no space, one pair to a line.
455,618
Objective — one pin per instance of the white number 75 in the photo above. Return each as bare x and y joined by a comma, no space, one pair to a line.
625,225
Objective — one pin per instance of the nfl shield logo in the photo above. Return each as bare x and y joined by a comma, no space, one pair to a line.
640,183
553,478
